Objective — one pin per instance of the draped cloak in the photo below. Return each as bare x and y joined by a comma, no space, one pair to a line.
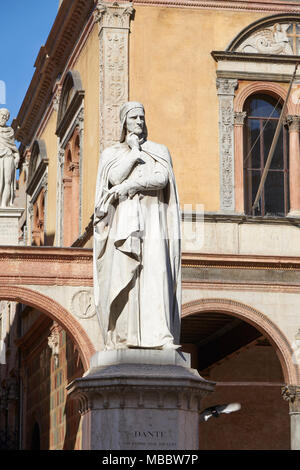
7,150
123,285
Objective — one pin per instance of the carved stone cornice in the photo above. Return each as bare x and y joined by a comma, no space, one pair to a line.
266,6
67,27
293,123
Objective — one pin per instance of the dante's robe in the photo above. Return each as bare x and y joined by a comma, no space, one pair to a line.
137,262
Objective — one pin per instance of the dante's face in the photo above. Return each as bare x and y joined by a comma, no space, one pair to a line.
135,121
3,118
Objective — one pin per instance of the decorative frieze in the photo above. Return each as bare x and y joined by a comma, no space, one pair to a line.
225,91
270,40
114,22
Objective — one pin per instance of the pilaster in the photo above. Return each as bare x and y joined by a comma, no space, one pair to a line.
294,165
225,91
291,393
114,23
239,119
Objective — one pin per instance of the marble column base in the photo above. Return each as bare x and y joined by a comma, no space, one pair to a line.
294,213
9,225
140,399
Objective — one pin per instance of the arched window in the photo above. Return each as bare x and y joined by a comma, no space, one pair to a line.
71,189
71,98
263,112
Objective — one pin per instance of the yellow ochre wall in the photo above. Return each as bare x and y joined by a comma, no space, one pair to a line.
50,139
87,64
89,68
173,73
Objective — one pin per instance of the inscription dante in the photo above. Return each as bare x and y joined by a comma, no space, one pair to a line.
148,439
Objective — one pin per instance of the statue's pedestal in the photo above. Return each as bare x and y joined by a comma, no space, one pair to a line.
140,399
9,225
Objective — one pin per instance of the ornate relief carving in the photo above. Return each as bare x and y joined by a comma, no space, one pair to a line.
56,99
291,393
226,89
113,15
53,343
82,304
270,40
239,118
114,22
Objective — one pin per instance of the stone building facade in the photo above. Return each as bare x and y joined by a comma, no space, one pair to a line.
214,77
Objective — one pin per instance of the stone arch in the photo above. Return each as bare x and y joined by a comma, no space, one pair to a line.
256,318
259,24
71,97
270,88
55,311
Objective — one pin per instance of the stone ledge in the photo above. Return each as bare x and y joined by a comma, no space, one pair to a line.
140,356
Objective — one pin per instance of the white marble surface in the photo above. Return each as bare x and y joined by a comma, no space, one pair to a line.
9,226
140,356
150,406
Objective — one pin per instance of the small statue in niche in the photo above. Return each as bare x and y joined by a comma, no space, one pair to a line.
9,161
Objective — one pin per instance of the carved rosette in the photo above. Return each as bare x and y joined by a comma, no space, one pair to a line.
82,304
225,91
114,22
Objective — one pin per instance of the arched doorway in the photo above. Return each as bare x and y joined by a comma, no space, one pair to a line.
248,357
54,310
46,349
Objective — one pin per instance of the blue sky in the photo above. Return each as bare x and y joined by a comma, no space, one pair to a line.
25,25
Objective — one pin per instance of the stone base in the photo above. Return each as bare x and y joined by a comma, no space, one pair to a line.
9,225
294,213
140,399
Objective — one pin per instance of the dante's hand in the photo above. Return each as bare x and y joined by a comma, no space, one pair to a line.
133,141
120,190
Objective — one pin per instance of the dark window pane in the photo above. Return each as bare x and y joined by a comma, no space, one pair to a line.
269,132
252,159
274,193
264,106
252,180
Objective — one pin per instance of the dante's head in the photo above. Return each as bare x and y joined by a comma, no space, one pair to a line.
4,116
132,117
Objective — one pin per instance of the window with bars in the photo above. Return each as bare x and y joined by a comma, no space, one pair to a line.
293,33
263,112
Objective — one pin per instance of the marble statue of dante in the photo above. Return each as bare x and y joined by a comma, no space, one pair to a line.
9,160
137,254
